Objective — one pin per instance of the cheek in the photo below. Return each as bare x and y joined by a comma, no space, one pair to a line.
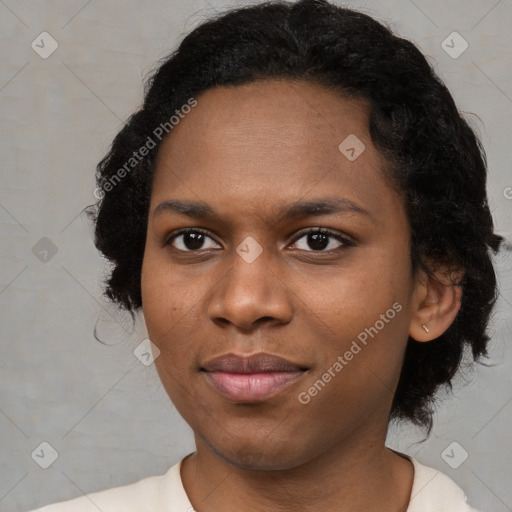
166,299
171,304
353,298
167,322
363,312
161,316
358,369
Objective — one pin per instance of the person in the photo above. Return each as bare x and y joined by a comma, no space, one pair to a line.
300,212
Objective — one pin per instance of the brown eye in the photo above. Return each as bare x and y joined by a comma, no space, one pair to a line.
190,240
321,239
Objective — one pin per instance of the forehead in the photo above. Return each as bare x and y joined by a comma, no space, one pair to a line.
271,115
267,139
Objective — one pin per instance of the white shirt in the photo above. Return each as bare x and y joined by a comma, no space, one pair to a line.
432,491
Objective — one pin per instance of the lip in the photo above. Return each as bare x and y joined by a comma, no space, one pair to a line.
255,378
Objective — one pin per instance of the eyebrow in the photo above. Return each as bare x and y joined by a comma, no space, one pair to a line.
297,209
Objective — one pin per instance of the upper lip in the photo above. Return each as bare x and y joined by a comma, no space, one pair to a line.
256,363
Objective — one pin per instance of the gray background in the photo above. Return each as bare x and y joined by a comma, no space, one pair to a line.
101,409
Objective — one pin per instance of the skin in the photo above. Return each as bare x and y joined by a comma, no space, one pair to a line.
247,151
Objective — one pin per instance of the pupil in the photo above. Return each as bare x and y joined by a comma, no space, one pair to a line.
193,240
318,241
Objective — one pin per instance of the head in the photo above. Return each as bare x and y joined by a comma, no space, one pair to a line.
278,120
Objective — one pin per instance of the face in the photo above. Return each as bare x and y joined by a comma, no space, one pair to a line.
252,275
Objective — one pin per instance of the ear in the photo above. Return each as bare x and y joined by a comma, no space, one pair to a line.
436,302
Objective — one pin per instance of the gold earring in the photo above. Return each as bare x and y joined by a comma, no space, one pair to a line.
425,327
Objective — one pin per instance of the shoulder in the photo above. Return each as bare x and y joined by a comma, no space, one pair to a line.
150,494
433,491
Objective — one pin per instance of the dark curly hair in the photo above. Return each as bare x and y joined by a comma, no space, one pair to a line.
436,160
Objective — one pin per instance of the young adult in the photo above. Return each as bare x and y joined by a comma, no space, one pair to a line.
300,211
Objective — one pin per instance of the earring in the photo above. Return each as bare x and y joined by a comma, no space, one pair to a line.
425,327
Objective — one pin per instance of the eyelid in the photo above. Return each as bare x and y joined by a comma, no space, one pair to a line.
182,231
345,240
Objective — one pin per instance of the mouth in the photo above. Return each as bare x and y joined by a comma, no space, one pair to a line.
251,379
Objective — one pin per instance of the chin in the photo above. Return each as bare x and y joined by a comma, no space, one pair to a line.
256,457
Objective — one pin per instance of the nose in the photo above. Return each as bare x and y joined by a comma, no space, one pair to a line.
251,293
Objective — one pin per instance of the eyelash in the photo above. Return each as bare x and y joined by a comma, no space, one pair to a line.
324,231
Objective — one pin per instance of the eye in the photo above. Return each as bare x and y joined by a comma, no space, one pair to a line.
318,240
190,240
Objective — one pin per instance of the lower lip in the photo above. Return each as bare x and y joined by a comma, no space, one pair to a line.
251,387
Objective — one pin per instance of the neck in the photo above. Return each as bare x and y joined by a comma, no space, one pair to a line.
357,476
